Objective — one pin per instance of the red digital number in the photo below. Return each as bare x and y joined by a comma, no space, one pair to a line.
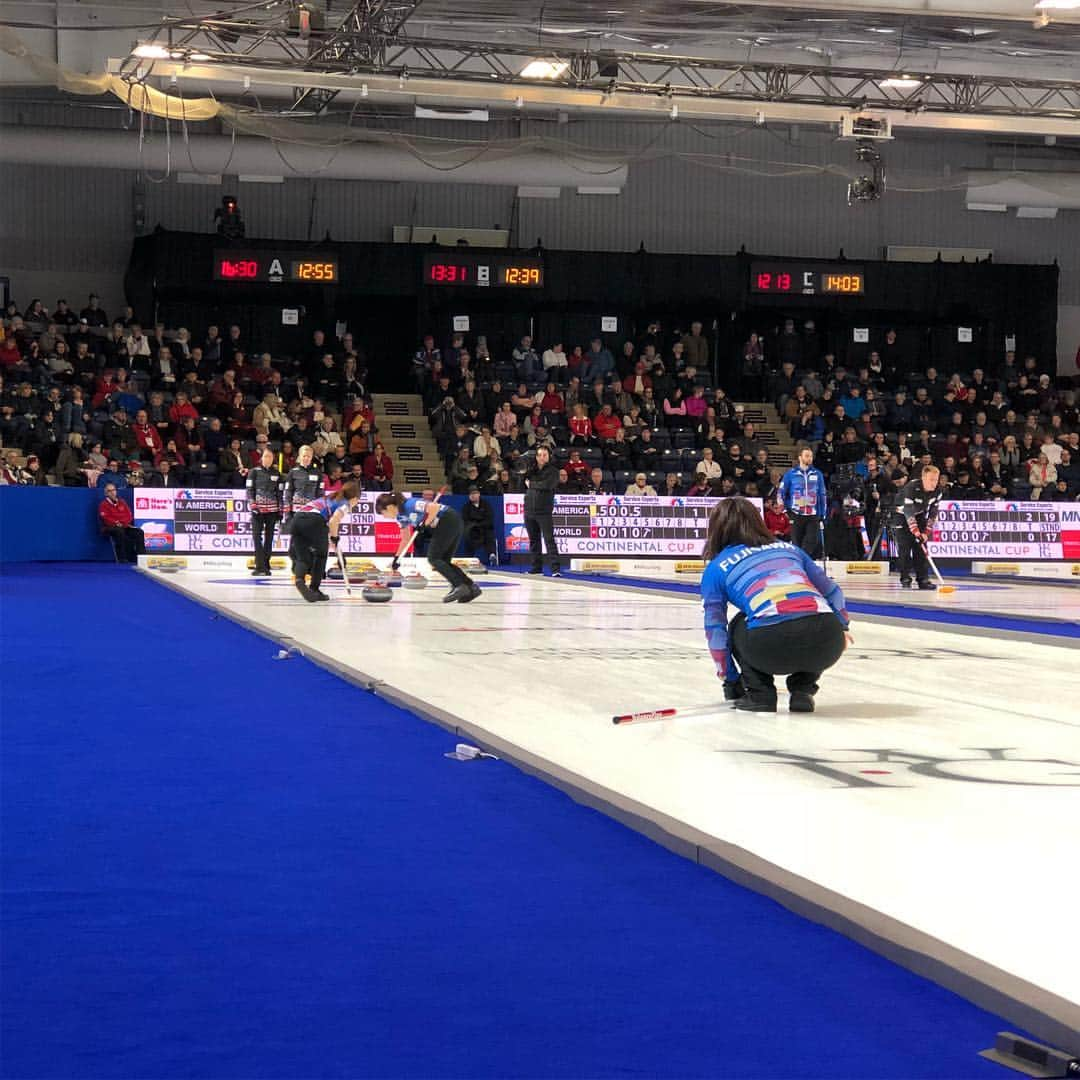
242,268
447,273
764,282
783,282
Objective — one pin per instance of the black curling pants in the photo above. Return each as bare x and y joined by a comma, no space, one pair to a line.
443,545
310,547
912,556
541,527
262,533
805,533
799,648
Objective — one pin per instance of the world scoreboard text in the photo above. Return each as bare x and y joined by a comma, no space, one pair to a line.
664,526
1006,530
218,521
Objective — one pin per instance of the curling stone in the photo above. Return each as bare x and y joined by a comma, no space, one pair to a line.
168,569
370,575
377,594
414,581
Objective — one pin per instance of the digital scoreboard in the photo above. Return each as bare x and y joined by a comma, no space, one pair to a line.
807,279
1006,530
277,267
483,271
608,525
217,521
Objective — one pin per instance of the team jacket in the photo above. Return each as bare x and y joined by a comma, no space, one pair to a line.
264,490
414,511
325,507
114,514
301,486
771,584
804,492
915,507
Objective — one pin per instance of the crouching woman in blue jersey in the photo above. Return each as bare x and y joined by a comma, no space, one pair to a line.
791,619
446,528
314,524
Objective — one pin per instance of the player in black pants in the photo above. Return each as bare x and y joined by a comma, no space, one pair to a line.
542,478
315,524
913,517
264,502
446,529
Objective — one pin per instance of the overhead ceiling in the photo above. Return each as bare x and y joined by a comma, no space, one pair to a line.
470,52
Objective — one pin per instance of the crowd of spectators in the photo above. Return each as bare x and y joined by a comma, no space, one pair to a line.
86,400
644,418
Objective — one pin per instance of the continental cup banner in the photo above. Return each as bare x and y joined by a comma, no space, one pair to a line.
1006,531
607,526
217,521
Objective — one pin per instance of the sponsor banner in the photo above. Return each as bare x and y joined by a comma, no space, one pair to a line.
1006,531
859,569
595,566
156,562
1054,571
216,521
613,526
690,566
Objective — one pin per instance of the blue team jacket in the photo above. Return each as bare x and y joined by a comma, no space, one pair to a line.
771,584
802,488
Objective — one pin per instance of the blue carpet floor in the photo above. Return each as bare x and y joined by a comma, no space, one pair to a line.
217,865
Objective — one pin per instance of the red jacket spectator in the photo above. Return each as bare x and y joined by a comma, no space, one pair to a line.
606,425
581,426
105,386
179,411
114,514
776,521
147,438
553,403
9,352
378,466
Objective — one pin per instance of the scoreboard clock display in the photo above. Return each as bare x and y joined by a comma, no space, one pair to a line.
484,271
277,267
807,279
609,525
1006,530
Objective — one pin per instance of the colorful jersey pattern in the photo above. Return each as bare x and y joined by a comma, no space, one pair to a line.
804,491
325,507
771,584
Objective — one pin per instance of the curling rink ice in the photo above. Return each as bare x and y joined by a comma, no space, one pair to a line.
931,802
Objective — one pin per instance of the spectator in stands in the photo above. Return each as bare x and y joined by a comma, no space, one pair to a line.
1069,471
700,488
641,486
776,519
479,521
1041,474
117,523
505,420
696,347
552,402
577,469
93,313
231,467
708,466
675,414
556,364
527,363
147,439
378,470
566,486
645,452
599,363
596,484
673,487
70,468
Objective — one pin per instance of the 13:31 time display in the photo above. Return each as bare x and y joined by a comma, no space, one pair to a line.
482,271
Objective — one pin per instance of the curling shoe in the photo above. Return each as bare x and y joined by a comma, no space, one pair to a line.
800,701
473,593
927,586
320,595
305,592
458,592
751,702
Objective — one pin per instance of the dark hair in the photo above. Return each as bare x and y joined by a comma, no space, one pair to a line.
350,490
390,498
735,521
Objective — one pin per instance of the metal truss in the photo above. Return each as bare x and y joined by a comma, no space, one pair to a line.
371,39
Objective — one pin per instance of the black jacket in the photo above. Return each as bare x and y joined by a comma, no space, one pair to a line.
917,504
540,494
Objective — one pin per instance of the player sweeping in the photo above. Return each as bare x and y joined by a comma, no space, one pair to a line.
913,518
791,621
314,525
446,529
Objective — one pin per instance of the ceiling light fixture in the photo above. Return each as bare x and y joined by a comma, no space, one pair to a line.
1058,5
544,69
151,51
902,82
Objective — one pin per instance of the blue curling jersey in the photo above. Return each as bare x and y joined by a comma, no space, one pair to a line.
773,583
414,511
804,491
